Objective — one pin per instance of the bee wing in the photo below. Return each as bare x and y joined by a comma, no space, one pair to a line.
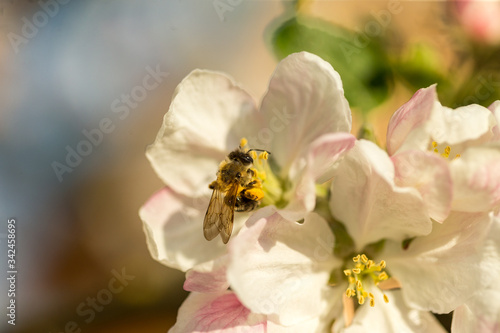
220,214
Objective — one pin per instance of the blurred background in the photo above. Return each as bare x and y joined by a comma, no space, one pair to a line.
73,71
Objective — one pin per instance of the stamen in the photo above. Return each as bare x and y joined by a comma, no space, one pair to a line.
253,155
446,152
364,268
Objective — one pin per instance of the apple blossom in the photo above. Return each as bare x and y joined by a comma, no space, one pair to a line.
451,156
303,117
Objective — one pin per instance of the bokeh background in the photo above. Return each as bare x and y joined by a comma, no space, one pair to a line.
60,77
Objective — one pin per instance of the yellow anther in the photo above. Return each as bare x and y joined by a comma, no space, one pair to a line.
365,268
457,156
264,155
243,142
446,151
386,299
359,285
253,154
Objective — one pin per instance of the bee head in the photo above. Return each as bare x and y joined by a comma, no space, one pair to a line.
239,156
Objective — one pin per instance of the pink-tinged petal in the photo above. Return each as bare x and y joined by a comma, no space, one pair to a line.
481,313
281,268
198,131
440,271
392,317
476,179
217,313
412,115
495,108
208,277
305,100
366,200
430,175
322,160
325,153
174,234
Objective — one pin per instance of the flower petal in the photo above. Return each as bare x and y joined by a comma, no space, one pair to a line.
476,179
281,268
174,233
412,115
495,108
305,100
430,175
440,271
217,313
322,161
325,152
392,317
208,277
481,313
366,200
461,127
199,130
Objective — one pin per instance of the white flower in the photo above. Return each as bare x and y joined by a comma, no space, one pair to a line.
451,156
304,121
299,271
481,312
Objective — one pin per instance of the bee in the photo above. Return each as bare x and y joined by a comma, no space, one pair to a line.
236,189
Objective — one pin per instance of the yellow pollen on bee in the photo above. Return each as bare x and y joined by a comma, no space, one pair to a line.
365,269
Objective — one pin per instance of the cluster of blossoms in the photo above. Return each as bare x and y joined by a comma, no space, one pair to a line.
349,237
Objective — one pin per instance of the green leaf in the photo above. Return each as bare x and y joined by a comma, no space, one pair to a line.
359,59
